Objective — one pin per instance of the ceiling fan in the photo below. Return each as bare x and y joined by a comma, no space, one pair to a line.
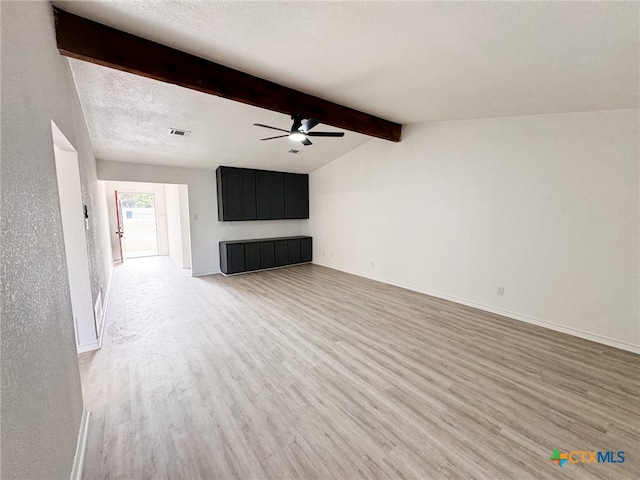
300,131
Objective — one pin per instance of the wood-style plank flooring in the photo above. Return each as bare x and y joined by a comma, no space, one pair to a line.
309,373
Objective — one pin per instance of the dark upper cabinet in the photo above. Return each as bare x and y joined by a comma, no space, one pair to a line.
263,195
246,194
236,193
277,195
229,183
296,195
269,195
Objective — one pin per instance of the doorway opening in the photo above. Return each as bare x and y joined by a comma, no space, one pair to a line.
87,317
148,219
138,217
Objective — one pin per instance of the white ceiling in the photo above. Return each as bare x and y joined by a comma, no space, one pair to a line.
129,119
404,61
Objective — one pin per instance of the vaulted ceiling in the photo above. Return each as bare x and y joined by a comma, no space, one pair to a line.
403,61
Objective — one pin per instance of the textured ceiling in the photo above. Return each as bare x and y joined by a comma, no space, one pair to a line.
404,61
129,119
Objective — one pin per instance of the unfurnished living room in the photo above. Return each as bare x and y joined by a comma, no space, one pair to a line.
320,240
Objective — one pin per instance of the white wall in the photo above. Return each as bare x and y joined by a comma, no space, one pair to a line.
205,229
173,222
158,191
178,224
75,245
106,237
546,206
183,198
41,393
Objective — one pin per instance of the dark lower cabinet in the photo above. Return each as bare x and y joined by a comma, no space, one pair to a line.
282,253
267,255
294,250
239,256
252,256
232,258
305,249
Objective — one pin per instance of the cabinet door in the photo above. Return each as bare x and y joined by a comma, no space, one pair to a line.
277,195
263,195
305,250
267,255
294,250
236,194
248,194
296,195
303,196
252,256
219,174
235,258
282,253
230,192
223,257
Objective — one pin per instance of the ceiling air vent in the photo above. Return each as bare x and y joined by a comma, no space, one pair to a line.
180,133
294,151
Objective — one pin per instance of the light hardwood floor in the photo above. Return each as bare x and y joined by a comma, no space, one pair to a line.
310,373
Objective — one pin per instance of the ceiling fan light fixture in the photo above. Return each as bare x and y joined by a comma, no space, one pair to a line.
297,136
299,132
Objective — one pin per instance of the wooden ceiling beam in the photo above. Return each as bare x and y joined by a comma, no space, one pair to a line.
96,43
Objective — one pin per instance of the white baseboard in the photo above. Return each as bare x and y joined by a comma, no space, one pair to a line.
175,261
89,347
81,447
204,274
105,307
505,313
264,269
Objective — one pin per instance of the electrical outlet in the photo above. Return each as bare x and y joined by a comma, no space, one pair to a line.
373,264
331,254
500,291
324,253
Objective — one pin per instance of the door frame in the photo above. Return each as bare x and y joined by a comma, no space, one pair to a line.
74,225
121,220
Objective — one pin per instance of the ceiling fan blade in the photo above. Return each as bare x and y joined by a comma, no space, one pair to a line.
326,134
272,128
308,125
271,138
306,142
